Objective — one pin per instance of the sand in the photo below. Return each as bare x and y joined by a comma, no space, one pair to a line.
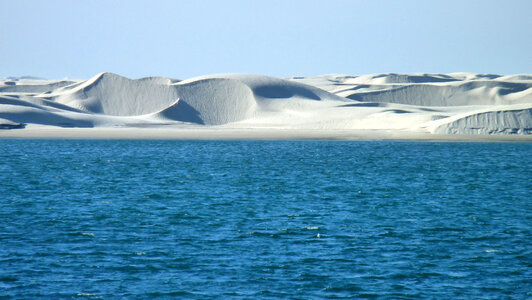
447,107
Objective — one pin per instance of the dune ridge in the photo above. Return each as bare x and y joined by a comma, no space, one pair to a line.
456,103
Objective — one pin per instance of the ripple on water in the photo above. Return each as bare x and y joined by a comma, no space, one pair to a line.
256,219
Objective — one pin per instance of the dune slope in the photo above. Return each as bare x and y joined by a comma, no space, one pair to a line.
456,103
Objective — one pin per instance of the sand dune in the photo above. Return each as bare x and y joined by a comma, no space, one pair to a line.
114,95
456,89
31,85
493,121
456,103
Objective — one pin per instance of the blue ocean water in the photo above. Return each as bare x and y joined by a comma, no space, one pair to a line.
263,219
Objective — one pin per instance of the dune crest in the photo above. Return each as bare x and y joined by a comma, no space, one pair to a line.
456,103
112,94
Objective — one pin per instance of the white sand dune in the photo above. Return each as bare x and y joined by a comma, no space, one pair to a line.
114,95
456,89
31,85
515,120
457,103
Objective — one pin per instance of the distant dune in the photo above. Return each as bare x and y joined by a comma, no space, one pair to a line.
448,104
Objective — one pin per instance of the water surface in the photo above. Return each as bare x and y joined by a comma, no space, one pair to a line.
256,219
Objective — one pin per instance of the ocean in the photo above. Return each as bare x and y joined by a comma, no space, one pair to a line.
105,219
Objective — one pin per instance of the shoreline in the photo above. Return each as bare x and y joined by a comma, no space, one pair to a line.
198,133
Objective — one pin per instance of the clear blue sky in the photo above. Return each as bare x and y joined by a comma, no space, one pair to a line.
182,39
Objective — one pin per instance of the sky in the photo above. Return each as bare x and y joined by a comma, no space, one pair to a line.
57,39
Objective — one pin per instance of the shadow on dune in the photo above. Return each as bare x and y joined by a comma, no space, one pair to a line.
182,111
45,118
406,78
398,111
12,125
367,104
276,91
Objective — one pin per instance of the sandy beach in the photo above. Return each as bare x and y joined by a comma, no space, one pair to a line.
248,134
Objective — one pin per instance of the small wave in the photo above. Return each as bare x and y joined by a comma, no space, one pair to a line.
492,251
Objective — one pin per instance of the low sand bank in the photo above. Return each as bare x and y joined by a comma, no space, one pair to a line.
246,134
